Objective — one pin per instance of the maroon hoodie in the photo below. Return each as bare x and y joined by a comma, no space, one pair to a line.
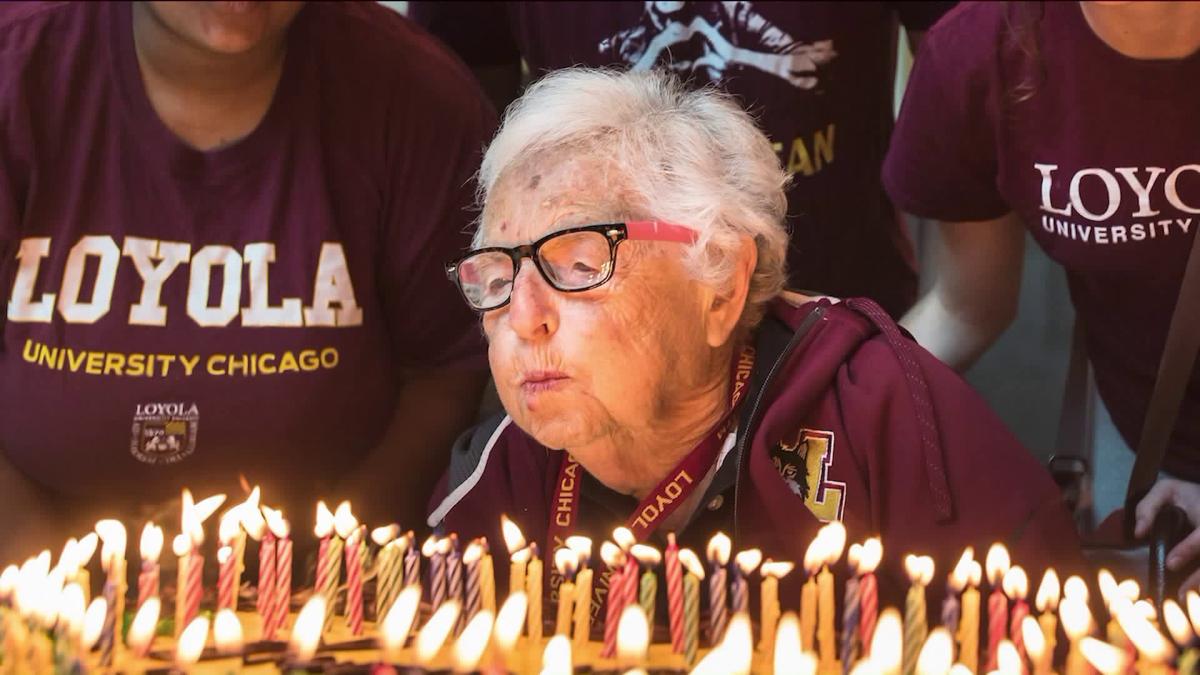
845,418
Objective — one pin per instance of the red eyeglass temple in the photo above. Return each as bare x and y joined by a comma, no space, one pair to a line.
657,230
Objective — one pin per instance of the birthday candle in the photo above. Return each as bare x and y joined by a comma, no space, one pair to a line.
565,561
112,557
647,558
1153,649
1035,646
387,568
84,551
956,581
1076,623
329,557
514,541
412,560
266,573
968,627
454,571
851,610
533,588
718,612
868,590
181,546
141,631
281,595
471,560
150,547
582,546
834,535
231,536
487,579
1016,587
813,558
614,558
225,565
997,566
437,571
674,593
920,573
355,545
744,564
770,611
691,603
1047,605
1181,632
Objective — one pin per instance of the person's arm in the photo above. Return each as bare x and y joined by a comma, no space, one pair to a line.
432,409
975,290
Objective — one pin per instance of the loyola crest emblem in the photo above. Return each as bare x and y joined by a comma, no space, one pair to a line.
804,462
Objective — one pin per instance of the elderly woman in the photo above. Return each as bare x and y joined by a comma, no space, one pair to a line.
628,270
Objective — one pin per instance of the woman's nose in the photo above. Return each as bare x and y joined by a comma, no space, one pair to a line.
532,310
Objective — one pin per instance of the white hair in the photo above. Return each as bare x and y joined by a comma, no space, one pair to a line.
692,157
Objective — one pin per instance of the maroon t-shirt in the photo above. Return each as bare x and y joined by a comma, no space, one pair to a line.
176,316
818,75
1095,151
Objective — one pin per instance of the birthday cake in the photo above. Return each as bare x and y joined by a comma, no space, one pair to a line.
381,602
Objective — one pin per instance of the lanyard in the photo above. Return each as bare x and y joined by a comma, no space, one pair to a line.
671,492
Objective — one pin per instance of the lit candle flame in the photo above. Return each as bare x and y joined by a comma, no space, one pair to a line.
886,644
112,534
1035,640
1016,583
204,508
435,631
612,555
1130,590
151,544
814,555
474,552
788,647
738,645
382,536
86,549
430,547
556,659
1193,608
718,549
1076,587
565,561
1143,634
1177,623
509,621
344,521
224,554
141,631
853,555
276,522
647,556
8,580
252,515
747,561
230,525
1008,659
919,569
961,574
582,547
398,622
997,564
691,562
1107,659
1146,609
624,538
937,656
834,534
633,637
227,632
306,634
191,642
324,522
473,641
514,540
776,569
1076,617
93,623
181,544
1108,587
1049,592
872,554
67,559
71,609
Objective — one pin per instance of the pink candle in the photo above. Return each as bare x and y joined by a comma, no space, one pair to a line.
151,548
997,566
280,596
266,575
354,581
674,593
614,558
1016,586
226,572
194,591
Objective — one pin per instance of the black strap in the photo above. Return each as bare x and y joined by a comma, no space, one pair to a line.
1174,374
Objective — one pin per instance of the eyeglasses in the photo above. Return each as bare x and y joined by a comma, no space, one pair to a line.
571,260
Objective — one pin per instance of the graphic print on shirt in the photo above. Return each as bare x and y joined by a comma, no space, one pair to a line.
710,38
1117,205
804,464
216,276
164,433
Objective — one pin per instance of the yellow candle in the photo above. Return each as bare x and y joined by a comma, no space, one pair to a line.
1047,599
771,572
583,607
968,625
565,562
514,541
487,583
808,614
533,588
834,535
1076,623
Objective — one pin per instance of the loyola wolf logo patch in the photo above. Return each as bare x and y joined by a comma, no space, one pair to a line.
164,433
803,462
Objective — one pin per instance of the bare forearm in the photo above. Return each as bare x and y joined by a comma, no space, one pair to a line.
396,480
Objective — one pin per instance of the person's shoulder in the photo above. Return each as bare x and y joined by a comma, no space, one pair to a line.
974,35
382,45
26,27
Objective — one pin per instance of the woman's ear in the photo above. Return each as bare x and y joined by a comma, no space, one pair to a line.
726,309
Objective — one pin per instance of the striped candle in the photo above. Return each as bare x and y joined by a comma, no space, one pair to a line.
615,560
432,549
674,593
354,581
227,565
281,599
151,548
412,561
718,611
266,575
387,578
472,559
195,586
454,572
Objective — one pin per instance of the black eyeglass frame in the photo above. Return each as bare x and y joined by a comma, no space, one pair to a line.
615,233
